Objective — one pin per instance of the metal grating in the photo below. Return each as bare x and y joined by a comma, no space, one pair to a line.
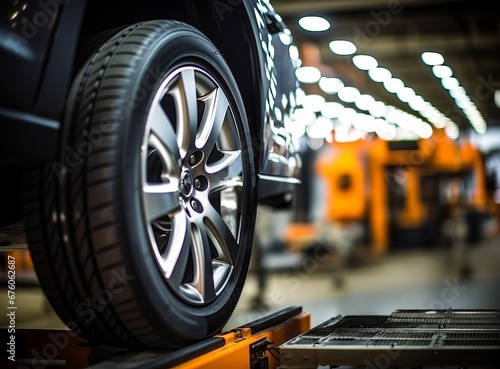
406,337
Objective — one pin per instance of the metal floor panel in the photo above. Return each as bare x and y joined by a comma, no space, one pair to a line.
406,337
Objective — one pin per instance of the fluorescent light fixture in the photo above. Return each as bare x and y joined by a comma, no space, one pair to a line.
364,102
393,85
304,116
458,92
429,111
405,94
330,85
320,128
314,23
423,129
314,102
379,74
432,58
386,131
364,62
308,74
451,130
348,134
365,122
393,114
450,83
439,120
347,115
331,109
464,103
342,47
378,109
442,71
348,94
417,103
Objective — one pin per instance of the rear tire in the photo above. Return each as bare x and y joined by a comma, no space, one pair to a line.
141,233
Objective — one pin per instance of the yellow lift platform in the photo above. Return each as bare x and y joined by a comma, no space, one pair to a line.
253,345
284,340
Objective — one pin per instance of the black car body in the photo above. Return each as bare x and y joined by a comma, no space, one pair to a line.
94,201
40,41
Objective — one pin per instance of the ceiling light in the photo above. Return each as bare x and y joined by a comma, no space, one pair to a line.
450,83
439,120
348,134
393,85
348,94
393,114
451,130
496,98
464,103
331,109
330,85
308,74
364,102
314,23
423,129
442,71
314,102
429,111
378,109
364,62
386,131
405,94
320,128
432,58
346,116
458,92
303,116
342,47
417,103
365,122
379,74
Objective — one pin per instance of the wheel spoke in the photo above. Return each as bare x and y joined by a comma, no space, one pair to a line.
184,94
203,280
160,199
221,236
177,253
163,130
216,106
229,167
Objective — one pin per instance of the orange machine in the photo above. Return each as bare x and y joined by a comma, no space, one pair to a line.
407,166
398,160
342,169
395,187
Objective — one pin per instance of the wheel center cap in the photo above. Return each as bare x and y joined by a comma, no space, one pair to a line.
186,185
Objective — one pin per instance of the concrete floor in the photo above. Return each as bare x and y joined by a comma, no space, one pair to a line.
404,279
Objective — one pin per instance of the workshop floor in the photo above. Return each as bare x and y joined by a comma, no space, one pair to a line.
404,279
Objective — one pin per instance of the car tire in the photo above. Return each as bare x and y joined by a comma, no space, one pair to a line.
141,231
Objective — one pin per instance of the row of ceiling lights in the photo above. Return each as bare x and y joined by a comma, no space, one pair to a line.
377,109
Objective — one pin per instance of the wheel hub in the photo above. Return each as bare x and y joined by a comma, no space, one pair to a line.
186,183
